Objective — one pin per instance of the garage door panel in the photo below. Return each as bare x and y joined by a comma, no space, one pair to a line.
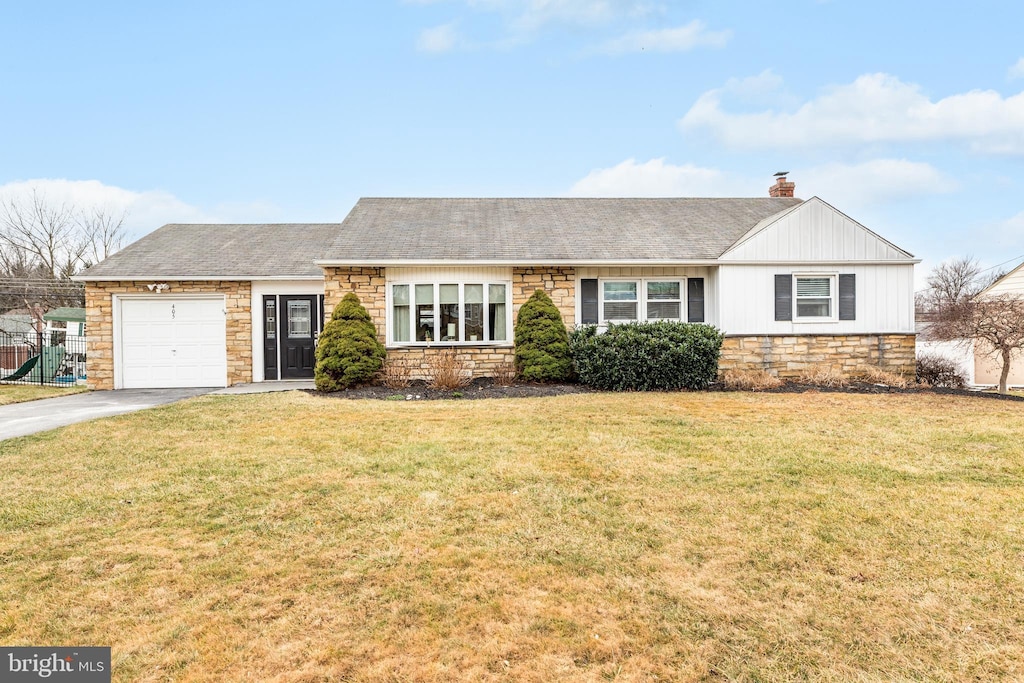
173,342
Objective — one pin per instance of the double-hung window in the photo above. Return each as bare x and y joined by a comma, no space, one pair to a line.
664,299
640,299
449,312
815,297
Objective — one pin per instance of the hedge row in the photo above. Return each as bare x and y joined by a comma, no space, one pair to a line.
647,356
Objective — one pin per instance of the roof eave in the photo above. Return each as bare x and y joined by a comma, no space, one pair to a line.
181,278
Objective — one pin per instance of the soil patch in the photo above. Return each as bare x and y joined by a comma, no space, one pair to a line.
485,388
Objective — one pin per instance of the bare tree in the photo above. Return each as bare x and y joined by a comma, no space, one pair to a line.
105,231
964,309
953,282
44,242
56,236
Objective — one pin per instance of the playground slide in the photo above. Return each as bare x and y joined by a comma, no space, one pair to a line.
51,357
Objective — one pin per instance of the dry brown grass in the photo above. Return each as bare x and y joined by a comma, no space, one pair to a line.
876,375
824,376
750,380
396,373
505,375
670,536
17,393
448,370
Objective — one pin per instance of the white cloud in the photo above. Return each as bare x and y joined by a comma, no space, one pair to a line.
523,20
880,181
849,187
656,178
1009,234
1017,70
679,39
439,39
533,14
147,210
875,108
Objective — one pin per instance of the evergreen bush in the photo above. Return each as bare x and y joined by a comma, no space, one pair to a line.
647,356
348,352
542,342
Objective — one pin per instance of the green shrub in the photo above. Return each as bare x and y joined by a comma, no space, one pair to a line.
348,353
542,342
647,356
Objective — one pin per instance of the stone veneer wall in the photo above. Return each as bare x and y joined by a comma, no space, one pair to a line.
99,319
788,357
370,286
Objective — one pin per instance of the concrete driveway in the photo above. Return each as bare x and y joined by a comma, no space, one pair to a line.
20,419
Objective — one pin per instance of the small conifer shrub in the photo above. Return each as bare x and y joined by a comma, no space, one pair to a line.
542,342
348,352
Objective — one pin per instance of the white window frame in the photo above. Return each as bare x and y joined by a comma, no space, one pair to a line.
833,290
641,304
436,284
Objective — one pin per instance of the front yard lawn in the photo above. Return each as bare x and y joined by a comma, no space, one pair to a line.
16,393
690,536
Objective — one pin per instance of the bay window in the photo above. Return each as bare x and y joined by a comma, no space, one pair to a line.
449,312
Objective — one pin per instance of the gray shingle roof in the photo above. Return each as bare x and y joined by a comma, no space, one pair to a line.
397,229
210,251
525,230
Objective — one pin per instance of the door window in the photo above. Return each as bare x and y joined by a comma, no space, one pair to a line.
299,319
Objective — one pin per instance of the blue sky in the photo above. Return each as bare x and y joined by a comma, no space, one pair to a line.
907,116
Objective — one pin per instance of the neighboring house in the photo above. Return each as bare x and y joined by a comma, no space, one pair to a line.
791,283
987,363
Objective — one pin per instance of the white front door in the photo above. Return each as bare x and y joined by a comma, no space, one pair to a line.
169,341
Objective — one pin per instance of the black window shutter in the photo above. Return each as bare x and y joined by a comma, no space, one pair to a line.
695,299
588,301
847,296
783,297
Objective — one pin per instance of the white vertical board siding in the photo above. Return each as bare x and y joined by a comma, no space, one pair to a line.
453,274
709,275
814,231
885,300
1012,283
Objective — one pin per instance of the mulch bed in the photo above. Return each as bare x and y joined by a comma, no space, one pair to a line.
485,388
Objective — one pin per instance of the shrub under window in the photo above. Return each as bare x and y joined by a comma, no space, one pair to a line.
647,356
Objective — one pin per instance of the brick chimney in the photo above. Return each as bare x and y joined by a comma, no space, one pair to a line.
781,188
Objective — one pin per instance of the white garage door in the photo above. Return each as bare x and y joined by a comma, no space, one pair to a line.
173,342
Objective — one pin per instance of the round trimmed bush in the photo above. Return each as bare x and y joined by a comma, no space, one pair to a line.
348,352
542,342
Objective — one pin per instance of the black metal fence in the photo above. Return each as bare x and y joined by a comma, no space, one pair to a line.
49,358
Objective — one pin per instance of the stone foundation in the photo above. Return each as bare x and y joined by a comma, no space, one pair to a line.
369,284
99,319
480,362
789,357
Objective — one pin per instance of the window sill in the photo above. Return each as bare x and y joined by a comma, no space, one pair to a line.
450,345
814,321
